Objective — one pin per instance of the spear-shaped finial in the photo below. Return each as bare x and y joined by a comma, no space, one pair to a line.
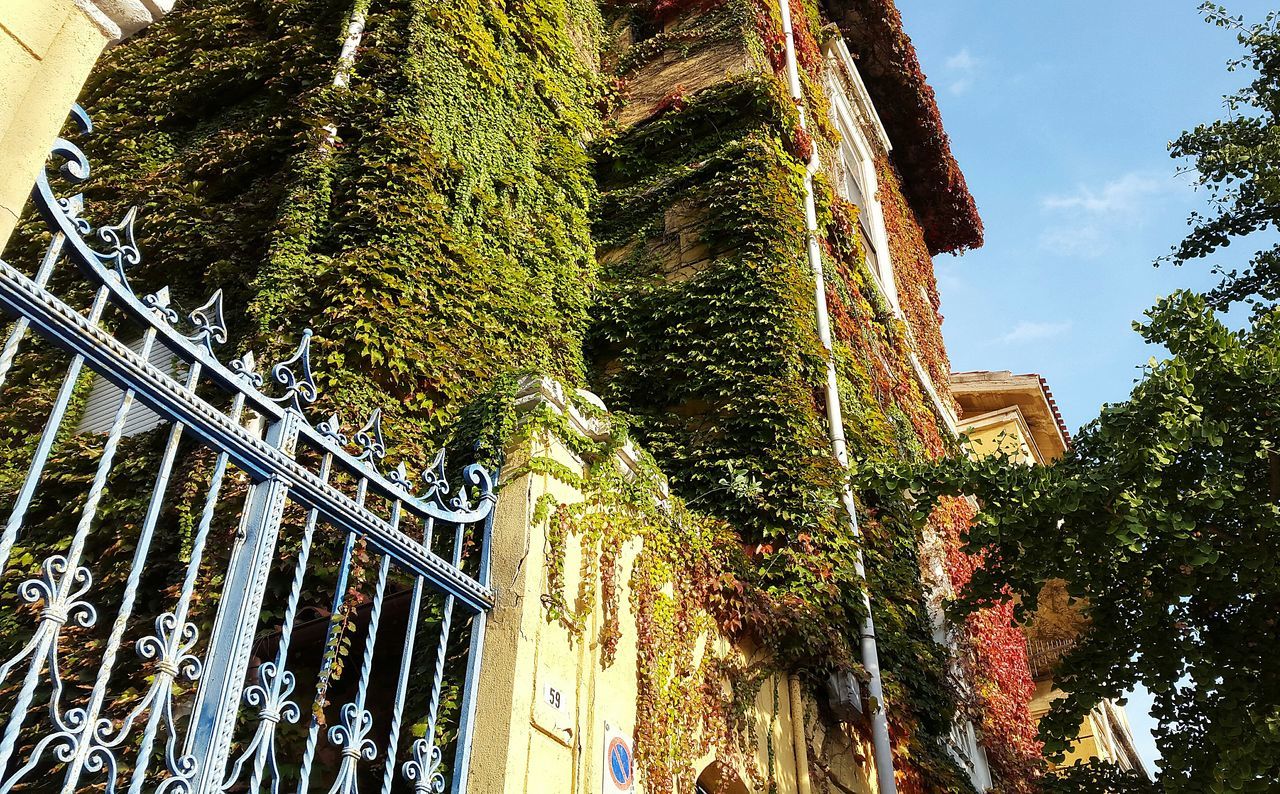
369,438
299,384
211,326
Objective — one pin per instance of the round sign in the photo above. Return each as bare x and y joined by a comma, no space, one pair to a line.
619,756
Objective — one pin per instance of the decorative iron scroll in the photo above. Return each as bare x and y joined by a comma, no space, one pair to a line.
85,739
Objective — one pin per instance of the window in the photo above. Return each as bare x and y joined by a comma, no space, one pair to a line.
855,170
856,191
969,753
104,396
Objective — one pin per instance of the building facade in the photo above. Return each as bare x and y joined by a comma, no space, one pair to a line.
669,265
1015,415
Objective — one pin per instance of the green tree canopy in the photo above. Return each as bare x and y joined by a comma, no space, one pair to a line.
1237,160
1164,518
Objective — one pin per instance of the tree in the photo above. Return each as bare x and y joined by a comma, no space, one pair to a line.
1096,778
1238,162
1164,519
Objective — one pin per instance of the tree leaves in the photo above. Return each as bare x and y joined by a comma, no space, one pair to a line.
1236,159
1163,518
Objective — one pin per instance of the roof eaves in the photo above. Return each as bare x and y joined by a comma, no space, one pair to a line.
1053,406
932,179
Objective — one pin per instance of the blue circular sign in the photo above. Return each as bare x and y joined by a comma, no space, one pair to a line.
620,763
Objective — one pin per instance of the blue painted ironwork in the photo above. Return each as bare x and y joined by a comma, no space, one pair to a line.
87,740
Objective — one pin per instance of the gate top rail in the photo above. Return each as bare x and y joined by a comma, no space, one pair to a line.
106,269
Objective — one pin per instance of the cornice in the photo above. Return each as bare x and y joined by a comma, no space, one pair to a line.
120,19
534,392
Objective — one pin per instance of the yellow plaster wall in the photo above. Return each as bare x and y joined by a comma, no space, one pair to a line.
1006,437
47,48
524,746
1091,742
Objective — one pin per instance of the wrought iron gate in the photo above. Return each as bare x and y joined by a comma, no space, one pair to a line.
316,549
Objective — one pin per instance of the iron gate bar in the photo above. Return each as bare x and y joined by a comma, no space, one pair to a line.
276,682
116,362
232,379
402,680
86,741
467,709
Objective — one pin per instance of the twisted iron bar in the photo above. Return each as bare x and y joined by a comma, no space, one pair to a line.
83,738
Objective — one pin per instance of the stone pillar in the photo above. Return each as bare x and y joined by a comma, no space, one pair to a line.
549,703
47,48
542,695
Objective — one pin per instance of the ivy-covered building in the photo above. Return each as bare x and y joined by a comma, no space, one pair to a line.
671,262
1017,416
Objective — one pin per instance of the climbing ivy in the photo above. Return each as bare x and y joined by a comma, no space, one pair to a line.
429,219
693,696
705,339
436,217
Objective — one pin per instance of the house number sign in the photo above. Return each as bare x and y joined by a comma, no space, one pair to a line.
555,698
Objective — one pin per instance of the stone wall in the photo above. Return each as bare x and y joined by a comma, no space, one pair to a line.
47,48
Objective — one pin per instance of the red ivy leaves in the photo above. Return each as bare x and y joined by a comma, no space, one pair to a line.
802,144
913,271
677,100
906,103
808,54
998,652
891,373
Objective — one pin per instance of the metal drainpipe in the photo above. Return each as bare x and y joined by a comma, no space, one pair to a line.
355,33
347,58
882,749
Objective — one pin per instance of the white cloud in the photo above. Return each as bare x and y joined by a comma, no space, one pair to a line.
962,60
1031,331
1089,220
961,70
1079,237
1127,194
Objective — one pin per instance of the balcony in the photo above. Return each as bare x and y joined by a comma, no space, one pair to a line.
1043,656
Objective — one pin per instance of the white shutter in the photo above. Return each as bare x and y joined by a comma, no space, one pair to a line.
104,397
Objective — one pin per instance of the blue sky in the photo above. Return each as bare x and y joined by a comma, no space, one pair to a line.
1060,114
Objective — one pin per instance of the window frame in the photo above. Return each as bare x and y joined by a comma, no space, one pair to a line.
852,115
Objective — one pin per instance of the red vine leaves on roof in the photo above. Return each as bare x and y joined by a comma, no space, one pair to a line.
908,108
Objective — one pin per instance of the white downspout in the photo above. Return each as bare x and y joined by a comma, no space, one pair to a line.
882,749
355,33
347,59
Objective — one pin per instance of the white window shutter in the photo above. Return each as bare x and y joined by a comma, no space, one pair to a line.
104,397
